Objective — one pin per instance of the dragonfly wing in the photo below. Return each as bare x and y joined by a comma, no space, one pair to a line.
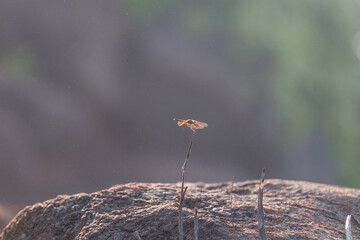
180,122
199,125
192,124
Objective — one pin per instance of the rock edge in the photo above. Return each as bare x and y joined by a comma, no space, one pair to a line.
293,210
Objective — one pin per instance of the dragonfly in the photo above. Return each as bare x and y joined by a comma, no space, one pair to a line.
192,124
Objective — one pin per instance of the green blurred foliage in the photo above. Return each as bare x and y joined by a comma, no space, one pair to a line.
143,10
316,74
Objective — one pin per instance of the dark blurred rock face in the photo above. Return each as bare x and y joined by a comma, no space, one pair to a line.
97,108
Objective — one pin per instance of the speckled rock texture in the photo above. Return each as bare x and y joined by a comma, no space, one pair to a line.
293,210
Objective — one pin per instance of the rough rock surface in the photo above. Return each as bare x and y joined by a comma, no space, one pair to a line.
293,210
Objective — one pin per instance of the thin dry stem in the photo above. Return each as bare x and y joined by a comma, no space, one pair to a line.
260,208
186,161
182,194
350,219
231,208
348,228
182,198
196,225
355,222
137,235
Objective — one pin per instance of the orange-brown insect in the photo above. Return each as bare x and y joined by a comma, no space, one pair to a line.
192,124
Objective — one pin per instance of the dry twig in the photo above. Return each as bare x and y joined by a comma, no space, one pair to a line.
182,198
355,222
196,225
182,194
350,219
348,228
231,208
137,235
260,208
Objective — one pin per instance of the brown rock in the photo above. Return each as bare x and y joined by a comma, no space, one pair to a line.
293,210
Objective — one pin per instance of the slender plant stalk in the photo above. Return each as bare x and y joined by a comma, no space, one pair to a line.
231,209
348,228
137,235
196,225
182,197
355,222
186,161
350,219
260,208
182,194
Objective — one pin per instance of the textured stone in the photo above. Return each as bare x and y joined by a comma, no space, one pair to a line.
293,210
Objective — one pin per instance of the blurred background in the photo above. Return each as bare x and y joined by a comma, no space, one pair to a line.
89,89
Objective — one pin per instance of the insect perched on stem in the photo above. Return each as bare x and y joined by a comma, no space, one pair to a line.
192,124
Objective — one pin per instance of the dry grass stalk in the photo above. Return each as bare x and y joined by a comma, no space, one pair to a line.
260,208
182,194
348,228
196,225
350,219
137,235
